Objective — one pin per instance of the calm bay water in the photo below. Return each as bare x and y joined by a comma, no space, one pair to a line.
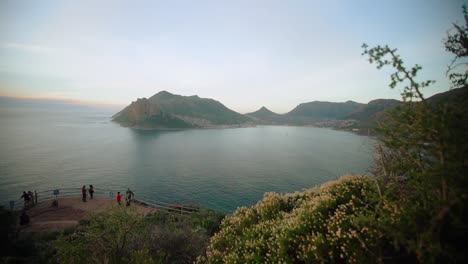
220,169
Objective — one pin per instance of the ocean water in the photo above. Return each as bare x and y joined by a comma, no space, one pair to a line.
222,169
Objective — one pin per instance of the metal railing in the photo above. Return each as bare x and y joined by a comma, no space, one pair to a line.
167,207
56,194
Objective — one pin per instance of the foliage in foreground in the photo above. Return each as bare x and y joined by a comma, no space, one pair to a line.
422,158
343,220
123,235
24,247
7,224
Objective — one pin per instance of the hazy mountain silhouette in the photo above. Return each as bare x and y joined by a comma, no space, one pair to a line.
165,110
265,116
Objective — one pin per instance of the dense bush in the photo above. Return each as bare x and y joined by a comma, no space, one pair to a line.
24,247
340,221
123,235
7,230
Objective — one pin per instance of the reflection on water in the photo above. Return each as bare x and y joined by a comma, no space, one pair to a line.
220,169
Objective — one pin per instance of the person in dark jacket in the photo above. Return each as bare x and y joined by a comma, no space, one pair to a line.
83,192
26,199
128,196
31,198
91,191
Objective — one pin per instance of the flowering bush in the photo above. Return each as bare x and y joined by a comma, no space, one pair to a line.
340,221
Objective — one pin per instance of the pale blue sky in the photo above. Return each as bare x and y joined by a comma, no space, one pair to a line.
243,53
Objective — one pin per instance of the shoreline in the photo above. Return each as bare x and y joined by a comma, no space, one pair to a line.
358,133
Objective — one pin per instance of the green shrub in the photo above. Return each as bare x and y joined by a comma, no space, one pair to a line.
340,221
123,235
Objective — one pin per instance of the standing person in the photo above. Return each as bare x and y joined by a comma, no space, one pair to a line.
83,192
31,197
127,200
25,197
91,191
128,196
118,198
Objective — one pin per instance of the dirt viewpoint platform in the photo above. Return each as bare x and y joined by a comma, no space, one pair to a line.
45,217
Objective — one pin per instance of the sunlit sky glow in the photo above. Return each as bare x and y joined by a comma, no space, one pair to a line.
245,54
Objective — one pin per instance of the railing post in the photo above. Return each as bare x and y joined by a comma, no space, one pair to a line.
35,197
56,193
12,205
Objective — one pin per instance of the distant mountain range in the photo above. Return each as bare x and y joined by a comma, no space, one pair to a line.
169,111
306,113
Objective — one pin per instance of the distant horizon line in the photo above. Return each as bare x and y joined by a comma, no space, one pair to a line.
77,102
67,101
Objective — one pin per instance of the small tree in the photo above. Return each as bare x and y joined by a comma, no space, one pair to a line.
422,158
107,237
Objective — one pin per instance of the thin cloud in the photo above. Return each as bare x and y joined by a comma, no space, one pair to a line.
31,48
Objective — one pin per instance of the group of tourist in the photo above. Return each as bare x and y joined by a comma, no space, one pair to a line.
90,190
29,199
128,197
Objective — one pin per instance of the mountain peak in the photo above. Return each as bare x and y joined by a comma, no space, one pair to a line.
265,116
164,92
264,110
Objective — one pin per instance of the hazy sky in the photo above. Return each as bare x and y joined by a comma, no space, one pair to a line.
243,53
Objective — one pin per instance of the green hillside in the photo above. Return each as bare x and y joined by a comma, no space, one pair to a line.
372,109
166,110
317,110
369,116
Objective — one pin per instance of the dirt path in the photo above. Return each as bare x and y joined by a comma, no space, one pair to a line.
45,217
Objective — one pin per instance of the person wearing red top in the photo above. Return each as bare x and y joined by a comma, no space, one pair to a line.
118,197
83,191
